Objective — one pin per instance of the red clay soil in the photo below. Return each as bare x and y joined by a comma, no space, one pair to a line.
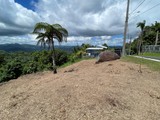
112,90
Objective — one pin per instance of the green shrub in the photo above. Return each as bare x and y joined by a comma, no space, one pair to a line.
61,57
14,69
12,65
30,67
11,70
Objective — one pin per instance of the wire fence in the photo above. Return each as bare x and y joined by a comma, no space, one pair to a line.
151,48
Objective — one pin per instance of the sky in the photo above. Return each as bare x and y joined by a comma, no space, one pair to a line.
87,21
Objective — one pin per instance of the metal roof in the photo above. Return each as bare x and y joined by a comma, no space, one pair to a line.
94,48
101,46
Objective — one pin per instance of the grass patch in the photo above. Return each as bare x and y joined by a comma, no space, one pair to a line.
148,54
77,60
151,64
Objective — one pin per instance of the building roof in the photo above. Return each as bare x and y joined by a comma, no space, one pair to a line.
101,46
92,48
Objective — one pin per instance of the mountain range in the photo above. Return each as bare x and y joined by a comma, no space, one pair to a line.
29,48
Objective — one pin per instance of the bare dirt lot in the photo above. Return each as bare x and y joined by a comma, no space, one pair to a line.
84,91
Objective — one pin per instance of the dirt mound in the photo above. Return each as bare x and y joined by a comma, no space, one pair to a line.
107,56
112,90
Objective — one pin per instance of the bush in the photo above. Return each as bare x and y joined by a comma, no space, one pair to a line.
14,69
15,64
30,67
61,57
11,70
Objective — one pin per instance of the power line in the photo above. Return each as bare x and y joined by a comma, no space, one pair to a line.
146,4
137,7
142,8
147,10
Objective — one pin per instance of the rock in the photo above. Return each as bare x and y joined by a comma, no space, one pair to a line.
107,56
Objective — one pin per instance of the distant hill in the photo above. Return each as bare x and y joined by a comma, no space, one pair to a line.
19,47
29,48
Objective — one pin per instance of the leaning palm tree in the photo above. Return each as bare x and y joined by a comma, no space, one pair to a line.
156,28
142,27
47,33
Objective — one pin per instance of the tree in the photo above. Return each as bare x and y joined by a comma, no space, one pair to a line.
47,33
105,45
142,27
156,28
149,37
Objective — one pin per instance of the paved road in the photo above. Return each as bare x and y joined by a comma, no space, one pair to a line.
148,58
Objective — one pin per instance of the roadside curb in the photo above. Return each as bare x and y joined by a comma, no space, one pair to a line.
156,60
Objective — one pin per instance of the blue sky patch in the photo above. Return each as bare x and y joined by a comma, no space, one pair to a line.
29,4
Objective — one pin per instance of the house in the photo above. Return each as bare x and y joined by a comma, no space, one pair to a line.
94,51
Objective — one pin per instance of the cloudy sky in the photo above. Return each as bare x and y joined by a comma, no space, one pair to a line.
87,21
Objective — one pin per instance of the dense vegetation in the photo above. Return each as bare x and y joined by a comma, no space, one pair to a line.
147,37
15,64
12,65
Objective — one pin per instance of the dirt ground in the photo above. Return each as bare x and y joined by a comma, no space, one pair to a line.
84,91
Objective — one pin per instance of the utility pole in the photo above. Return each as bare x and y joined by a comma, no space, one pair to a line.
125,29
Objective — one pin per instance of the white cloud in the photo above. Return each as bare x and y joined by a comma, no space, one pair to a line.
15,19
105,37
89,21
95,40
85,18
23,39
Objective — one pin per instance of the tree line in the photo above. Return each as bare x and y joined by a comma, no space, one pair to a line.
149,35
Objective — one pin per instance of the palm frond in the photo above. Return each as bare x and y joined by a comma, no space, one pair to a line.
62,35
46,34
56,26
141,25
40,26
41,42
40,35
63,31
58,36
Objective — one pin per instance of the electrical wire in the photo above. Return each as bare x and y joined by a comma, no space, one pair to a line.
137,7
145,5
146,10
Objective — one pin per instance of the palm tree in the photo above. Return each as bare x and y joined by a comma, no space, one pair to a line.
142,27
47,33
156,27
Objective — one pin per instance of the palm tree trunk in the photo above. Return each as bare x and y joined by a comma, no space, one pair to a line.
156,38
139,46
53,59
